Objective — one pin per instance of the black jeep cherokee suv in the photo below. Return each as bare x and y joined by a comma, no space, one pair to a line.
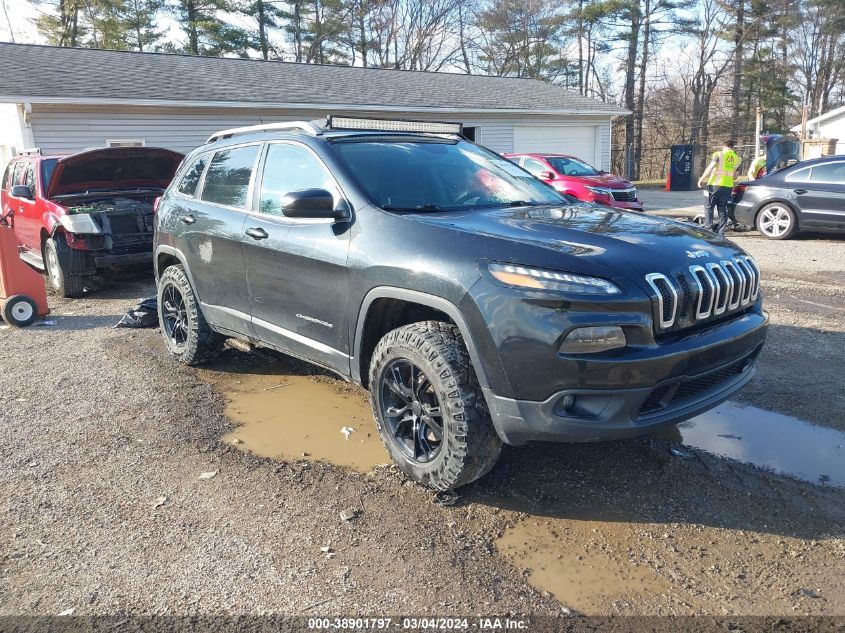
476,304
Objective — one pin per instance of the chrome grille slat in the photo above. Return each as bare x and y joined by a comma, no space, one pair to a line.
659,284
699,275
749,281
685,298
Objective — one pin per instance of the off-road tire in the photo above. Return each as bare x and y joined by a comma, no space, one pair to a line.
63,284
470,446
202,343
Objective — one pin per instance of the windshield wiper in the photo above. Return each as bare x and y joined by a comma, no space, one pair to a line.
422,207
522,203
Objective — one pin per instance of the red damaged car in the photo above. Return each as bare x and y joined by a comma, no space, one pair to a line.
78,215
573,176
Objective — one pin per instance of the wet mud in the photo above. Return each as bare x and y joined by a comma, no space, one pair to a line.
286,415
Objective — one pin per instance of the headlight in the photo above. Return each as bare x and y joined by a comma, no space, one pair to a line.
79,223
600,191
540,279
589,340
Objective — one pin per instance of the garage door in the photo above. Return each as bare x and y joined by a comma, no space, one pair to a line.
579,141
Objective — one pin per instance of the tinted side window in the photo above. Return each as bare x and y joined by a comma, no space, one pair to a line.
829,172
20,166
535,166
189,182
290,168
29,177
227,180
7,176
799,175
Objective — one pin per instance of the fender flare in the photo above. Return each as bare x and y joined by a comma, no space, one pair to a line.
422,298
175,252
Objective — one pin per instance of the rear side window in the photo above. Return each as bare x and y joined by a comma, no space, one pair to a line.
189,182
829,172
228,176
800,175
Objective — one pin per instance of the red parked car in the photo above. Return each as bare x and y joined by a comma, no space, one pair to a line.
80,214
573,176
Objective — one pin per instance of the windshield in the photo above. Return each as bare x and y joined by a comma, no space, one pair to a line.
566,166
47,167
419,174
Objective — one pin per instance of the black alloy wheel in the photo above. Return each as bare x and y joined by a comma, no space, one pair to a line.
174,315
411,410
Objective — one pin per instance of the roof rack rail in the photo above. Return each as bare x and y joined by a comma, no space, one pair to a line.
31,151
301,126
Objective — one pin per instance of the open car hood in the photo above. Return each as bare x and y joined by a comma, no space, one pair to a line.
113,168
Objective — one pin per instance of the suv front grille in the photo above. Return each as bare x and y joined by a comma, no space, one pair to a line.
691,296
624,195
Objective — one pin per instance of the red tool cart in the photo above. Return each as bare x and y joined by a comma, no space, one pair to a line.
23,296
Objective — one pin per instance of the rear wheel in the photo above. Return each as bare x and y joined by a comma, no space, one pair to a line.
428,406
61,282
184,328
777,221
20,311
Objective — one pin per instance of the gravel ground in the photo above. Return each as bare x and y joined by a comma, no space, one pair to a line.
102,509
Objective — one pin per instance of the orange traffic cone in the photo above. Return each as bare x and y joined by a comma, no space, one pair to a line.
668,185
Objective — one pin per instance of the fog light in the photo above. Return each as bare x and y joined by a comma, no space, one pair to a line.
567,402
589,340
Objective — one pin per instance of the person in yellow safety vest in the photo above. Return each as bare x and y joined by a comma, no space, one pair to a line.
758,168
719,177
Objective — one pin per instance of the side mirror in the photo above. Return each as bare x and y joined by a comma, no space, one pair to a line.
547,175
22,191
314,203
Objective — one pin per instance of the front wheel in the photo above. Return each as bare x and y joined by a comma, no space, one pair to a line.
186,333
428,406
777,221
64,284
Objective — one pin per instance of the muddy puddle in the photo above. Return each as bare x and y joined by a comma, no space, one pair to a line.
288,416
564,558
766,439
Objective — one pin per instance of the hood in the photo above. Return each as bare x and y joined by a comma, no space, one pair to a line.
113,168
608,181
602,238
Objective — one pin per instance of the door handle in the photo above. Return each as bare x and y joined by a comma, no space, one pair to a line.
800,192
257,234
188,219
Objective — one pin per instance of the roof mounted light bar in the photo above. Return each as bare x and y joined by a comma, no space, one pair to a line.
334,122
30,151
287,126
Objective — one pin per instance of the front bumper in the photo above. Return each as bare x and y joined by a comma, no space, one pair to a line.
126,259
688,380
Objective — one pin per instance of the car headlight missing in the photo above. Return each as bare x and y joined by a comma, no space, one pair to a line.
541,279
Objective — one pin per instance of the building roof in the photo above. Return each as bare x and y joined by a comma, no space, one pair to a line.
833,114
48,74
